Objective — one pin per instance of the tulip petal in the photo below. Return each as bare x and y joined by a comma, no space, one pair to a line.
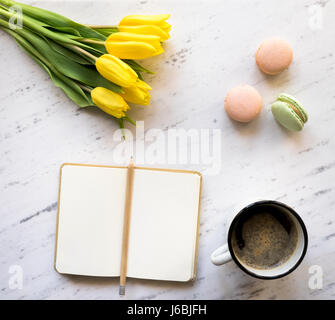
127,36
165,26
140,39
144,19
136,95
131,49
147,30
109,102
143,85
115,70
159,51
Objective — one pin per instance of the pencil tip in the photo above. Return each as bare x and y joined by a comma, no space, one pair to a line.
122,290
131,162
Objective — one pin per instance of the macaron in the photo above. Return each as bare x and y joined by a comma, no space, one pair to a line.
274,56
243,103
289,112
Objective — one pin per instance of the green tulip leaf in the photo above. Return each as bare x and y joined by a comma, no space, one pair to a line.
68,53
70,88
136,66
107,31
54,19
32,24
67,67
68,30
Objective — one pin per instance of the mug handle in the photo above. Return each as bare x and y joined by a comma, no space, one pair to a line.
221,255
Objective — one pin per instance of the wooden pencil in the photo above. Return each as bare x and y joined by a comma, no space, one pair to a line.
126,227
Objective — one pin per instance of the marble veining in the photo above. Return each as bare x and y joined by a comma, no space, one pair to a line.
211,49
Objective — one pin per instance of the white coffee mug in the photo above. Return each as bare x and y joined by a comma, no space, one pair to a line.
226,253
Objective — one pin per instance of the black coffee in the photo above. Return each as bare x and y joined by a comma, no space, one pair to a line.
264,237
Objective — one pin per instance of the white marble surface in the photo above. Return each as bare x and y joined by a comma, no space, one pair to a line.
211,49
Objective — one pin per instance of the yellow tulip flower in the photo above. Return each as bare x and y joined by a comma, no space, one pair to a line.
146,29
145,19
147,24
125,45
109,102
143,85
138,94
115,70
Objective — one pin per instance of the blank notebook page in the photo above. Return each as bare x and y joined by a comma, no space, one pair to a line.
91,207
164,220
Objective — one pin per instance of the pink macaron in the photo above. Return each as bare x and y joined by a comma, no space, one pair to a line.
274,56
243,103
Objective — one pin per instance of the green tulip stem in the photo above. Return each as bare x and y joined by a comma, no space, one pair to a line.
8,2
87,89
100,27
84,52
92,41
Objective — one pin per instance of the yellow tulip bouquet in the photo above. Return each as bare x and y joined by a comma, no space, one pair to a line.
93,65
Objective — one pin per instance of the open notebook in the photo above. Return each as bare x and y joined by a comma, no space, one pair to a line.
164,222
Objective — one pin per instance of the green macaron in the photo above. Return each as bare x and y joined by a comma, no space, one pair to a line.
289,112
